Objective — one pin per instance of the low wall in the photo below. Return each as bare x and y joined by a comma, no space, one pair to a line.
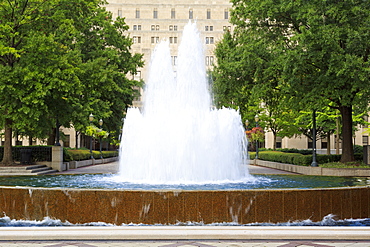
316,171
81,163
170,207
77,164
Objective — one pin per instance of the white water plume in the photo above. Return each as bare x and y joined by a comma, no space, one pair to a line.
178,137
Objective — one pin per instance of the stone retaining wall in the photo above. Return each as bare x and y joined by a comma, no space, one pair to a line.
170,207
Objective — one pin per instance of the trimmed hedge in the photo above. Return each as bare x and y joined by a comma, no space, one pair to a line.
38,153
83,154
298,159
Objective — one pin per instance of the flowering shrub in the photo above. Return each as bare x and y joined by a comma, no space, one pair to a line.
255,134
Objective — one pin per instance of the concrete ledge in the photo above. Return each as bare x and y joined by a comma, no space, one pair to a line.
318,171
77,164
184,232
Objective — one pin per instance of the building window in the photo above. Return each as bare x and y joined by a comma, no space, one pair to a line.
208,13
226,14
209,40
279,141
227,28
172,28
365,140
173,40
173,13
310,146
209,60
154,40
152,27
135,27
137,13
208,28
155,13
174,60
324,143
138,27
119,13
157,27
190,13
137,39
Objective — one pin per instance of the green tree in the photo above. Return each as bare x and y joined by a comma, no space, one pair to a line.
61,60
247,78
320,48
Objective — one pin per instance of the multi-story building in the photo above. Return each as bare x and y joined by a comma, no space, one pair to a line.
153,21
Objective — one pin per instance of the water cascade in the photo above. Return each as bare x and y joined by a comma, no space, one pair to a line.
178,137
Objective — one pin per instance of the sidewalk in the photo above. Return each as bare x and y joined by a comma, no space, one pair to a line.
166,236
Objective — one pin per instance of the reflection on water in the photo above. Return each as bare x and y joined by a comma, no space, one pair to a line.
110,181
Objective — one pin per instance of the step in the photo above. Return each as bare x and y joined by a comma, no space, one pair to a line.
26,170
44,168
20,168
47,172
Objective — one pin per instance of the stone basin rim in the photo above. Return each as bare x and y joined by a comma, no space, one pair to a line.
182,190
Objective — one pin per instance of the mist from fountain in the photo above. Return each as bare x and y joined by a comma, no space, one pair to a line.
178,137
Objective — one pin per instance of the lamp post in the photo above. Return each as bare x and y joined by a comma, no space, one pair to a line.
256,118
246,124
57,133
100,124
91,118
314,162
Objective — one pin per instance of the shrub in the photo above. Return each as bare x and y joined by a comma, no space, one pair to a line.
297,158
84,154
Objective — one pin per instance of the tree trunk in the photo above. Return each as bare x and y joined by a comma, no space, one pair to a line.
347,144
51,139
274,144
337,138
328,142
8,158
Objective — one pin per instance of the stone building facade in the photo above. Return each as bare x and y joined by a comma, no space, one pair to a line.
153,21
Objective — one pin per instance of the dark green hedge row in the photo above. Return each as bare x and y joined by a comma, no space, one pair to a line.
358,149
38,153
78,154
298,159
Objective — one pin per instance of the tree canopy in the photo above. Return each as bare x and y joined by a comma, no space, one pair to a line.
61,60
314,53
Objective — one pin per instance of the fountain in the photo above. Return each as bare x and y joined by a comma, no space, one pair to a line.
194,159
179,137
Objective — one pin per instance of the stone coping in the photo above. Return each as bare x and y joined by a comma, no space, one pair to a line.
317,171
185,232
77,164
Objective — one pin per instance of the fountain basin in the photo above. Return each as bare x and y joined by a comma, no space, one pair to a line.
174,206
